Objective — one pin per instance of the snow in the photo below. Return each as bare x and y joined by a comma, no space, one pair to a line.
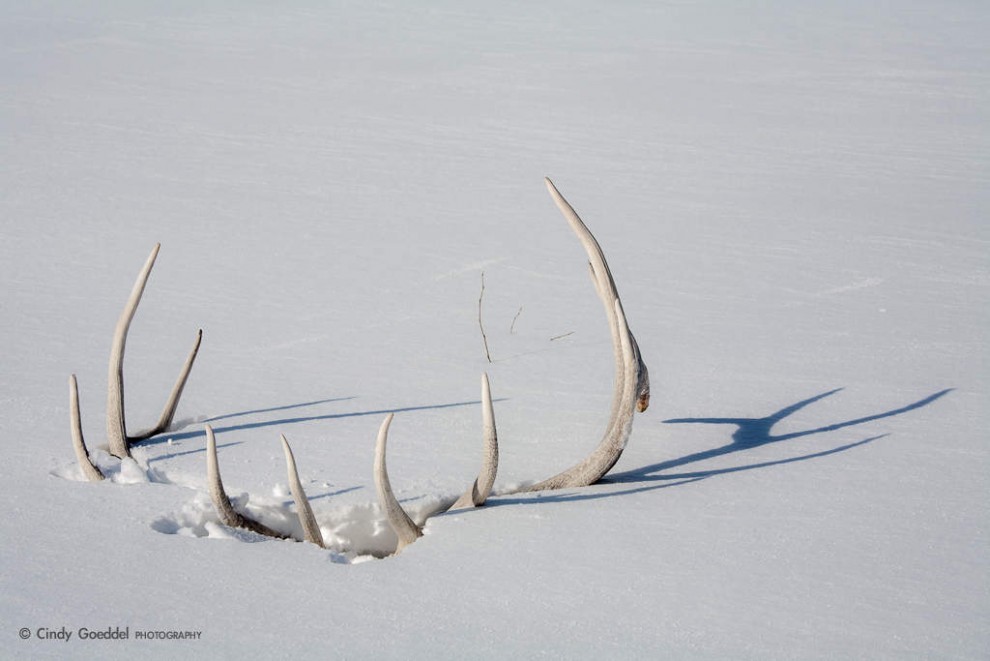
793,200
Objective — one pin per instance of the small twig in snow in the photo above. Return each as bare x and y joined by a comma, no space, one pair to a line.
512,326
559,337
484,338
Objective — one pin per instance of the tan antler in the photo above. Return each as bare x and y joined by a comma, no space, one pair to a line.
311,531
116,428
631,393
91,472
117,438
482,487
405,528
228,515
231,517
632,379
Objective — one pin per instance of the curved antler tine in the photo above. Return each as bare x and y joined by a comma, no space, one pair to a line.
311,530
91,472
228,515
116,427
631,374
482,487
165,421
407,531
605,286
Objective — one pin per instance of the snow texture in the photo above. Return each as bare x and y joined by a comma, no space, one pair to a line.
793,198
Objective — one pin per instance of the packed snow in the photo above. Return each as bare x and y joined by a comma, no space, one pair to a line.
793,199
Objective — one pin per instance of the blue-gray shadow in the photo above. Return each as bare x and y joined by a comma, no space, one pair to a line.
756,432
201,433
272,409
173,455
750,433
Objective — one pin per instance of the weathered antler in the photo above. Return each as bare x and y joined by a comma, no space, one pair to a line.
231,517
632,379
311,531
116,428
405,528
482,487
118,440
91,472
228,515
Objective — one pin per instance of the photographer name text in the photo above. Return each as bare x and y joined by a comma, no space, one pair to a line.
64,634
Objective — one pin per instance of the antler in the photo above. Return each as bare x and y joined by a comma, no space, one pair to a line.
631,394
405,528
119,441
632,378
228,515
231,517
91,472
311,531
482,487
116,428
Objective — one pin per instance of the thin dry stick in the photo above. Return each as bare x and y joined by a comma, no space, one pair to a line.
560,337
512,326
484,338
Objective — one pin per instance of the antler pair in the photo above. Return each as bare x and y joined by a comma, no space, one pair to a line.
631,393
118,439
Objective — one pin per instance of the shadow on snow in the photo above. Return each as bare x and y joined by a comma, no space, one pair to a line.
750,433
174,436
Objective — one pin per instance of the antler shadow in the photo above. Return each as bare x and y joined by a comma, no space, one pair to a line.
755,432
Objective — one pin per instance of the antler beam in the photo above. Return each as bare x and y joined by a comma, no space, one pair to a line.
632,378
116,427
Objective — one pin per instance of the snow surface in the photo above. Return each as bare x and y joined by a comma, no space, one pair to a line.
793,198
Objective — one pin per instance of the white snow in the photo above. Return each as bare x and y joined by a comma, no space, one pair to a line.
793,198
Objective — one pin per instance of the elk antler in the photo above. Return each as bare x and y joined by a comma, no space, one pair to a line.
632,379
229,516
407,530
117,437
116,428
91,472
482,487
403,526
311,531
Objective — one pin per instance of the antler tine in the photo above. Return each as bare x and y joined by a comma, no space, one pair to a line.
482,487
165,421
116,426
228,515
407,531
605,286
632,381
91,472
311,530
